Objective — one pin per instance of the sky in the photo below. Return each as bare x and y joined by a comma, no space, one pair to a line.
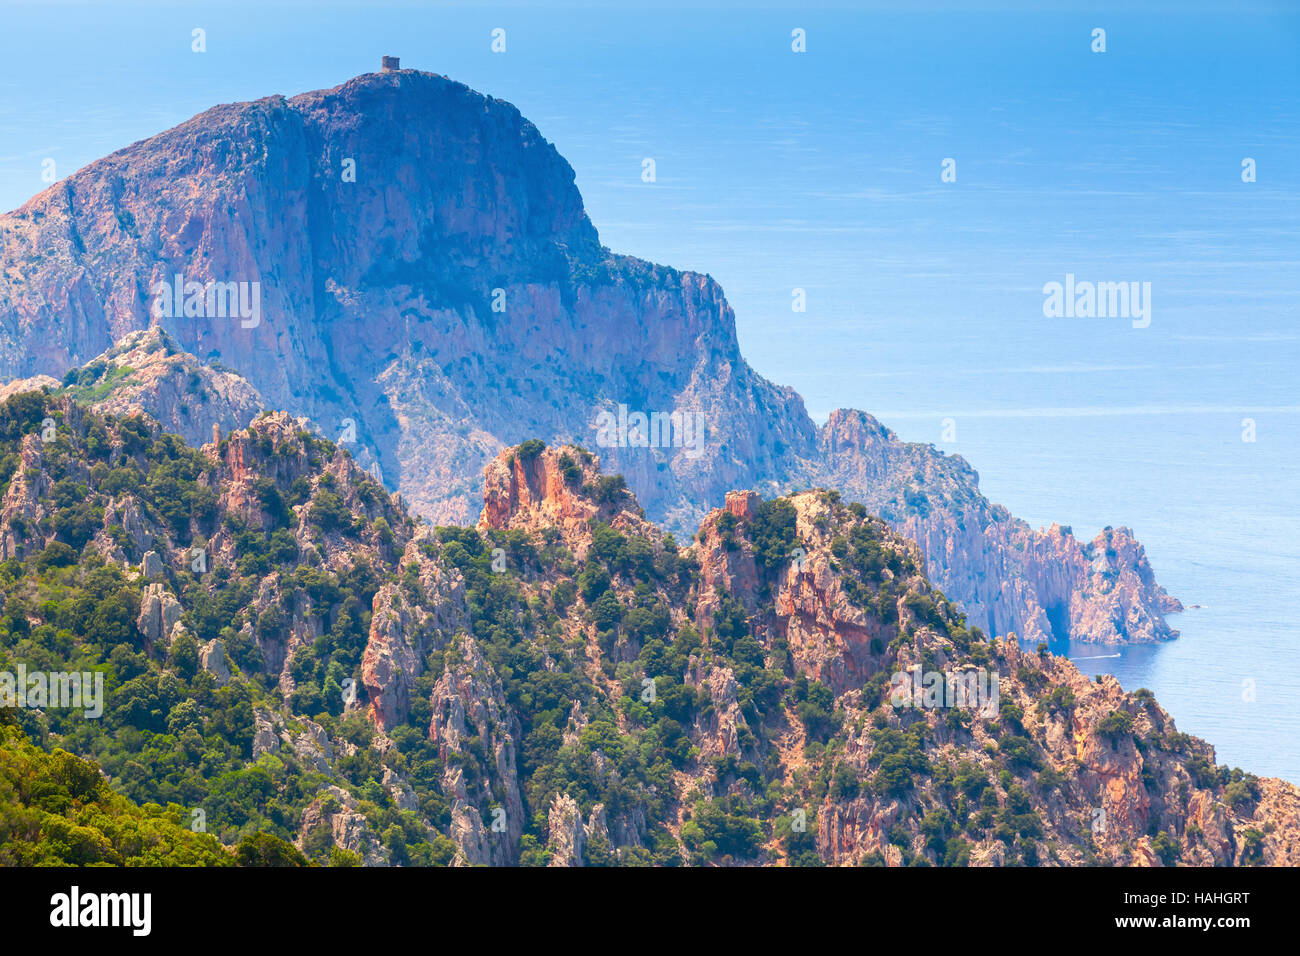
821,171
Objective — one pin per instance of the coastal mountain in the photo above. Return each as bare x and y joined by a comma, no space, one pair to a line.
409,266
292,659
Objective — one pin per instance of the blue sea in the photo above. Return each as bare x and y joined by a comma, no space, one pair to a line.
820,171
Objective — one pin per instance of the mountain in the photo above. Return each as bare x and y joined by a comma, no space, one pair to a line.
291,657
429,290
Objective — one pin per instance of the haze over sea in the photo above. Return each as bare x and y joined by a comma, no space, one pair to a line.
821,171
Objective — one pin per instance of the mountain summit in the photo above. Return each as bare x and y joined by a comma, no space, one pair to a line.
407,263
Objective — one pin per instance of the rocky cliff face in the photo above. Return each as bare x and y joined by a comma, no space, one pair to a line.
450,299
1007,576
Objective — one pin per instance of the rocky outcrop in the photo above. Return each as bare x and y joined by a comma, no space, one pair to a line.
468,702
146,371
402,633
266,734
212,658
719,731
852,607
725,564
36,383
151,565
312,746
400,792
391,664
831,637
567,835
21,509
1272,830
335,813
561,489
160,613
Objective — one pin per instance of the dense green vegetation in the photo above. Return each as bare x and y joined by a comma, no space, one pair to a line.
56,810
